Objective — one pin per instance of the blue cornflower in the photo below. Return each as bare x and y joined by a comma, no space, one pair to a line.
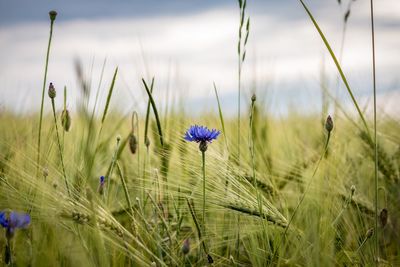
13,221
202,135
102,180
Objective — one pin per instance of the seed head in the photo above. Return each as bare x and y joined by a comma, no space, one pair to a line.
52,91
66,120
118,138
329,124
253,98
53,15
132,143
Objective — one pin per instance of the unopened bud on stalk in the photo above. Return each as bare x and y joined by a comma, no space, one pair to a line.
210,259
203,146
132,143
369,233
353,189
52,15
52,91
118,138
253,98
383,217
329,124
147,142
186,246
66,120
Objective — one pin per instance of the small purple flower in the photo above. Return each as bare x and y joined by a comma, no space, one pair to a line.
101,185
202,135
13,221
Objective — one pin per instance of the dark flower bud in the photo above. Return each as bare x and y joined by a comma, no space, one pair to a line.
52,91
353,189
346,16
329,124
203,146
210,259
369,233
66,120
132,143
186,246
53,15
147,142
383,217
102,182
253,98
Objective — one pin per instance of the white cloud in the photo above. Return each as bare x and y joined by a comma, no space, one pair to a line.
198,49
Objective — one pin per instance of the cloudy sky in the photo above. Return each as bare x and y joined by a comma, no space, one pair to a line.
188,45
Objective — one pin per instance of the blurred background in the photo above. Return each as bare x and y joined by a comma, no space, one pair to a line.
188,45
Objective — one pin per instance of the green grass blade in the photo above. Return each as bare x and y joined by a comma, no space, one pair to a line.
153,105
110,91
221,116
146,128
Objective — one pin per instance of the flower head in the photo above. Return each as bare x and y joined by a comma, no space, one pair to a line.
202,135
12,221
52,91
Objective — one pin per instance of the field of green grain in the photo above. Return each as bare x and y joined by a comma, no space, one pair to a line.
93,187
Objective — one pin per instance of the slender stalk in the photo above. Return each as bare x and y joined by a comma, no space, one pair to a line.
253,164
304,194
124,186
203,157
111,168
59,147
193,213
43,90
153,104
375,136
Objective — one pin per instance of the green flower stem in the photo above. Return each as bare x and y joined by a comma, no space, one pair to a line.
203,156
42,103
59,147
